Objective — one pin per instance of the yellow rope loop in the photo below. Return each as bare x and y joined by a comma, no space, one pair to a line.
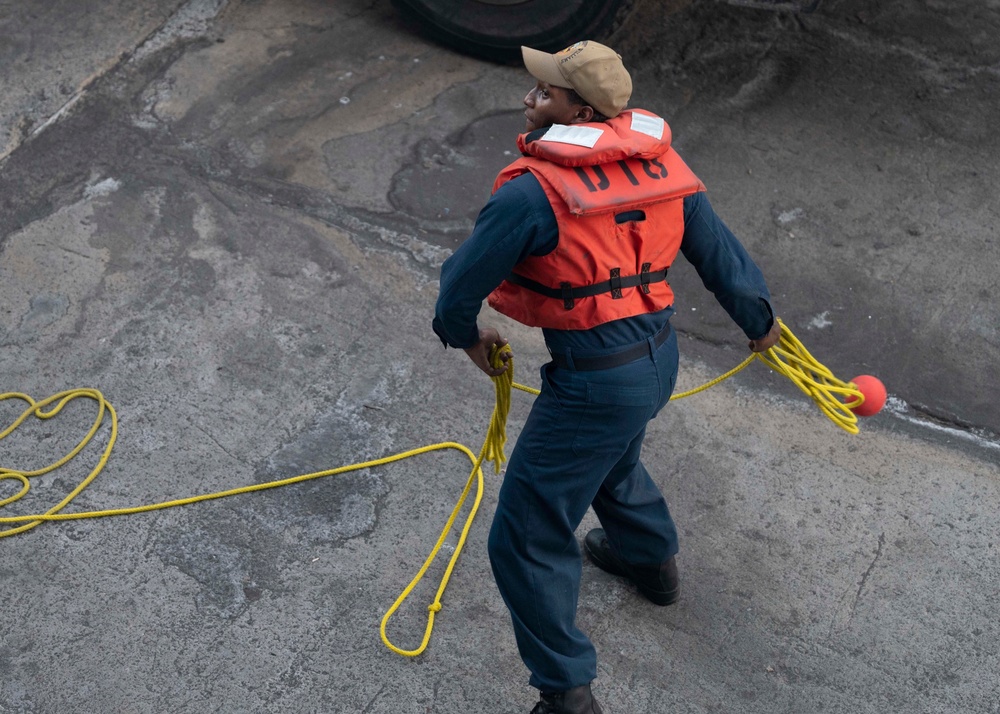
15,476
791,359
496,434
493,450
37,409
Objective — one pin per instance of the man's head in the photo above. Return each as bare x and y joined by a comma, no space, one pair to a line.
584,82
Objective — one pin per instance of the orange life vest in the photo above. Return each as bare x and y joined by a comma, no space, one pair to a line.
615,188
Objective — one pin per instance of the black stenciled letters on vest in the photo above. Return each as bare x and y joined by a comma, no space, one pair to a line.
602,178
653,168
646,163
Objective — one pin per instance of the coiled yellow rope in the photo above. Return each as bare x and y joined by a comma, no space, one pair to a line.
789,358
496,438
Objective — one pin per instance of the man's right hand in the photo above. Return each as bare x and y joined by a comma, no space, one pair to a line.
480,352
763,344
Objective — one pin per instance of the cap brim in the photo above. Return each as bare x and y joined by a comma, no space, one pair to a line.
543,66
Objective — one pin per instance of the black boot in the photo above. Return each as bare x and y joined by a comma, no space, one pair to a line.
658,583
577,700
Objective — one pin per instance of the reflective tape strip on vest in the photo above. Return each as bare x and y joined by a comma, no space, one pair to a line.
620,227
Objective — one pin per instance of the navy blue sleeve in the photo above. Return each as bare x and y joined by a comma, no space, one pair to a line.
516,222
726,268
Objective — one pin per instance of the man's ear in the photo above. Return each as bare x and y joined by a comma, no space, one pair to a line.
584,113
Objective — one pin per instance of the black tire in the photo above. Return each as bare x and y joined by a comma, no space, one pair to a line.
804,6
496,29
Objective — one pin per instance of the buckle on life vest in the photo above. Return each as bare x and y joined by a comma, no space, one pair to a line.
567,295
644,277
616,283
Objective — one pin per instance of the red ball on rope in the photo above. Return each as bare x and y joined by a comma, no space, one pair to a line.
874,393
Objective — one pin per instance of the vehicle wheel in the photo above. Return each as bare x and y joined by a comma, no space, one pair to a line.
805,6
496,29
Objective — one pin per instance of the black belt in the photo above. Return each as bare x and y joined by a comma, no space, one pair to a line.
615,359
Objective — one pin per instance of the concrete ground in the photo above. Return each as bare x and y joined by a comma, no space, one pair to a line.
229,217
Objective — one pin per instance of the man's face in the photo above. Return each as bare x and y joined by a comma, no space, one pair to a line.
548,105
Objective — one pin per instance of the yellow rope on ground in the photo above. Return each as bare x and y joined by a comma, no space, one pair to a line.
496,438
789,358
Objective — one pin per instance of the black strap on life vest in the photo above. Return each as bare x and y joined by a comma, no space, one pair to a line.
569,294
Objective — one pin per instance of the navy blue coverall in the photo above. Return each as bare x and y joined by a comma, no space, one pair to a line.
580,444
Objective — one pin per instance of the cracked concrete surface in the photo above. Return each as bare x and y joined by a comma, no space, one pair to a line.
231,224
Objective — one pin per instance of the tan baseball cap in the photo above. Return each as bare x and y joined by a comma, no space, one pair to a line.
594,71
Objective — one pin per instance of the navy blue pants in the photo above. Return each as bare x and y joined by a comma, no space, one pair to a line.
579,448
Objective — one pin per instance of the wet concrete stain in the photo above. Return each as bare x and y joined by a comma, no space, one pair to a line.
447,181
44,310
